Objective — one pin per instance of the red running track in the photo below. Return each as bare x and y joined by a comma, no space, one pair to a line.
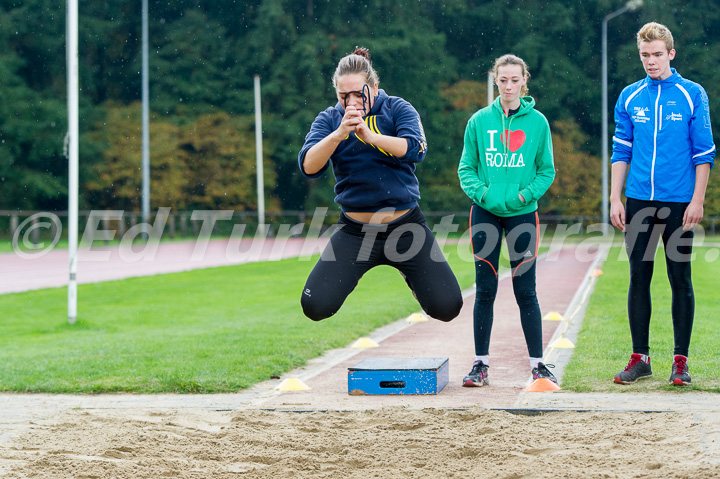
51,269
560,273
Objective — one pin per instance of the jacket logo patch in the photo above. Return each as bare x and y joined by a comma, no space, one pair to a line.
640,116
423,142
674,117
513,139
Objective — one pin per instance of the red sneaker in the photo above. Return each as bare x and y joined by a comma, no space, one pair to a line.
680,372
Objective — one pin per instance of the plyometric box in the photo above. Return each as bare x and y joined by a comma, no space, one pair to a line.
398,376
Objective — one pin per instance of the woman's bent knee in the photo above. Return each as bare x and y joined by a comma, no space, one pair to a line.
447,311
316,310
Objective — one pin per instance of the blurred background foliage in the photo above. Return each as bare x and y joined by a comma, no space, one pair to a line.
203,55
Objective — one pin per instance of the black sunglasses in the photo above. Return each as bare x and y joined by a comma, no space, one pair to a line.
365,97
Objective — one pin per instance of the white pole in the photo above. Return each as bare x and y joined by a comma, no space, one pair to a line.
632,5
145,122
604,133
258,154
490,90
73,137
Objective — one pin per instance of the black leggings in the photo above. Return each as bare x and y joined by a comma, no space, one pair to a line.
406,244
645,221
521,233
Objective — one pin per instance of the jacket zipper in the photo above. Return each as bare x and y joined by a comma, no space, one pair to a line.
652,171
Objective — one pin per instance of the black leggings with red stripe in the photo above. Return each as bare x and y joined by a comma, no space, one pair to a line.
521,233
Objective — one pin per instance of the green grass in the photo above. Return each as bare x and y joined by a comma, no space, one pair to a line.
549,236
211,330
604,346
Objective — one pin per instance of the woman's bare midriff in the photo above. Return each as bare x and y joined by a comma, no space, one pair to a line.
379,217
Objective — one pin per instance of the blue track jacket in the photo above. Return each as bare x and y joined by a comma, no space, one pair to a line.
662,129
368,178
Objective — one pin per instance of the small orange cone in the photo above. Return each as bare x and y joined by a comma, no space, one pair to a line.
596,273
542,385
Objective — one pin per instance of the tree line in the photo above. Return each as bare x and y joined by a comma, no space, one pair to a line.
203,56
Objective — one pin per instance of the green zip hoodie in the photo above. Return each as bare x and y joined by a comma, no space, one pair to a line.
504,157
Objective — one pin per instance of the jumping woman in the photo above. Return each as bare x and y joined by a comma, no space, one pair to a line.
374,142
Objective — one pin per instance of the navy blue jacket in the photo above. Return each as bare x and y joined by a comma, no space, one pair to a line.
368,178
662,129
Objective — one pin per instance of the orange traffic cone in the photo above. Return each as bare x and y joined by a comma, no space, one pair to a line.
542,385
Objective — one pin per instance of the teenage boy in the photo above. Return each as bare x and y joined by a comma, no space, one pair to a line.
663,143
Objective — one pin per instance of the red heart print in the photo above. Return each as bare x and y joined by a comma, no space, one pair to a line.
517,138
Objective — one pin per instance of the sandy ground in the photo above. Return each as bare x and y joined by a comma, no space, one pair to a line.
384,443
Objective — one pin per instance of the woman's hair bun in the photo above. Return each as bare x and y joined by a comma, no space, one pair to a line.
357,62
363,52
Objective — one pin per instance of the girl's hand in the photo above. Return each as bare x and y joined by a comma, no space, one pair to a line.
693,215
617,215
350,122
364,133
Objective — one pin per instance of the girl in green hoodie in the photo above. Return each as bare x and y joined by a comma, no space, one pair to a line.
506,166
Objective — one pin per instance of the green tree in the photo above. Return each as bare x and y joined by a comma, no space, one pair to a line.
31,135
117,179
219,153
189,66
577,188
441,187
203,58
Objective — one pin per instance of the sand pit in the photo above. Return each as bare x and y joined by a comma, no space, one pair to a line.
385,443
246,435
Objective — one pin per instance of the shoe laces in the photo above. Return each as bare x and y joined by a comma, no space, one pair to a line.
634,359
479,368
680,365
546,366
542,370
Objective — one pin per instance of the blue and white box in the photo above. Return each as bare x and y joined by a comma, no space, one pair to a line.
398,376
